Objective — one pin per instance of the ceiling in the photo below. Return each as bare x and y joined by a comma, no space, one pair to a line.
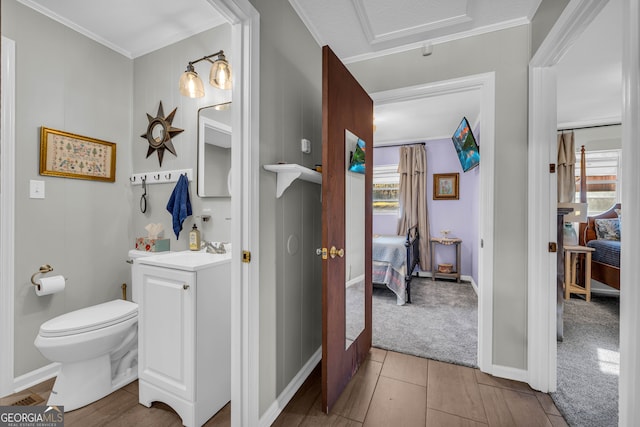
589,76
358,28
590,73
132,27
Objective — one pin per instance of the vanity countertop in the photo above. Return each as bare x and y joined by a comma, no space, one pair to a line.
186,260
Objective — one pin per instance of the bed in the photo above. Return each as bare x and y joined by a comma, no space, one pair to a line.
605,261
394,261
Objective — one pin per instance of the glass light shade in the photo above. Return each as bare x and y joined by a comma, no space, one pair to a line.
220,75
191,85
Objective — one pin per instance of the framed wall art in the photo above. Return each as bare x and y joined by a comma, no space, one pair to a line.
445,186
69,155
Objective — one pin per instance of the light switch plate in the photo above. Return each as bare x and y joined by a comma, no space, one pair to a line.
36,189
305,146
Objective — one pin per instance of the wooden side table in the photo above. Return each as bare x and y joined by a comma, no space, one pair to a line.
571,254
455,274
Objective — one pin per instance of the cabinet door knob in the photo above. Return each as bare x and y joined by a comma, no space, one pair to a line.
185,286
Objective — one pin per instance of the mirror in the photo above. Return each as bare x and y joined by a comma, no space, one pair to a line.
354,245
214,151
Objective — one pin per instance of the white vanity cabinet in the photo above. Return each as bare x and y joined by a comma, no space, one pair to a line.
184,333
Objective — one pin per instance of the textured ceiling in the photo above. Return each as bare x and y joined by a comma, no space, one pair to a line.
589,76
132,27
358,28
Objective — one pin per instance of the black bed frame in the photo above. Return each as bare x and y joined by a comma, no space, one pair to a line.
413,256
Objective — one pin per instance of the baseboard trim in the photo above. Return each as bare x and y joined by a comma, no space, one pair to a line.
470,280
509,373
35,377
281,401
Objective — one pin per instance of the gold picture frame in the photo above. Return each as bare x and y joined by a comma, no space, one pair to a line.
446,186
68,155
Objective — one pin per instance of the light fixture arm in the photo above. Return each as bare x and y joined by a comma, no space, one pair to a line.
207,58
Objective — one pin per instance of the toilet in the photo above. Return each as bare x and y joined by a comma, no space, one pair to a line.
97,348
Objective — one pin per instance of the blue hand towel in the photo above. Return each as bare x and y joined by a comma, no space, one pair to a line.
179,204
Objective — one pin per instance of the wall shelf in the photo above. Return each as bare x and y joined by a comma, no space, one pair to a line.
289,172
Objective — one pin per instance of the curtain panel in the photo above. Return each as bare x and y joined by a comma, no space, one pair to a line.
566,168
412,168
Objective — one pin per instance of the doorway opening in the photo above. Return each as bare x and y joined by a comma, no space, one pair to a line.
480,262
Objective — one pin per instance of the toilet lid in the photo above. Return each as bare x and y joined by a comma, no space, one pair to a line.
90,318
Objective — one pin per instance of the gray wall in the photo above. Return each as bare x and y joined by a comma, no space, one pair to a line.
85,228
507,53
290,283
155,79
543,20
82,228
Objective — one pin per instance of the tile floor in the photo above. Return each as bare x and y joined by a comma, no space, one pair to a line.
394,389
390,389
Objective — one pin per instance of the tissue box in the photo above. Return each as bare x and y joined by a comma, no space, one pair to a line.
152,245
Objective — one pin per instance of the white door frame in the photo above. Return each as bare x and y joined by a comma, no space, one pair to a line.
7,203
245,21
542,185
629,382
245,34
542,345
486,84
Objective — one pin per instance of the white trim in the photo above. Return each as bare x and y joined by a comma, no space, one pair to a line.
7,204
542,268
604,121
35,377
373,38
99,39
629,380
486,84
469,279
287,394
309,23
510,373
245,165
437,40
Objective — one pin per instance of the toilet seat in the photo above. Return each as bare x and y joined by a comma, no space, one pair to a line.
89,319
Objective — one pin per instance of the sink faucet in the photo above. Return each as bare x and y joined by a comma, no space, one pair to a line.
214,247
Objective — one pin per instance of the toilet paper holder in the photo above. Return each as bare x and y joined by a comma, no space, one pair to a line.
43,269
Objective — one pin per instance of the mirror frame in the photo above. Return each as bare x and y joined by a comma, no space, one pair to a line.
355,238
200,156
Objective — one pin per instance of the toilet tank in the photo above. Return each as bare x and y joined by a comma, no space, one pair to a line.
134,255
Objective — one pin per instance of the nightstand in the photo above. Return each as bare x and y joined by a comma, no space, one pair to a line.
571,254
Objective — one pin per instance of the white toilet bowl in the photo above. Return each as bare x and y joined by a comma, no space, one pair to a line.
97,348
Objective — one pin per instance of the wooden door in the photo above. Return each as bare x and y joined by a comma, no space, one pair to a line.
346,108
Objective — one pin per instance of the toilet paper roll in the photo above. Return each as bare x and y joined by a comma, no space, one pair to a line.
50,285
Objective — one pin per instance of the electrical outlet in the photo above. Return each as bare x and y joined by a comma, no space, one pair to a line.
36,189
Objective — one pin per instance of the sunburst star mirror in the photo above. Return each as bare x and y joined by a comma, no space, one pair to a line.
159,133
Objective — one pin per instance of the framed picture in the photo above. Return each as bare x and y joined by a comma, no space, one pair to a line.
445,186
466,146
68,155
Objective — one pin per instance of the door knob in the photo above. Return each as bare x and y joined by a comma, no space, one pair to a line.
185,286
334,251
318,251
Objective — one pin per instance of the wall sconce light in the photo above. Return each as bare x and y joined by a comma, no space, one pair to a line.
220,76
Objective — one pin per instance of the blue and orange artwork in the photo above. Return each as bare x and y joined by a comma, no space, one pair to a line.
357,158
466,146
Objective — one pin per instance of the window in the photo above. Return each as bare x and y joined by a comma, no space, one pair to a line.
386,189
603,184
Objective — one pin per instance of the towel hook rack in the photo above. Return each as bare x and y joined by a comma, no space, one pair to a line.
43,269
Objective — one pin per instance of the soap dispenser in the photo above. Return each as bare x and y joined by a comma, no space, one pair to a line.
194,239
